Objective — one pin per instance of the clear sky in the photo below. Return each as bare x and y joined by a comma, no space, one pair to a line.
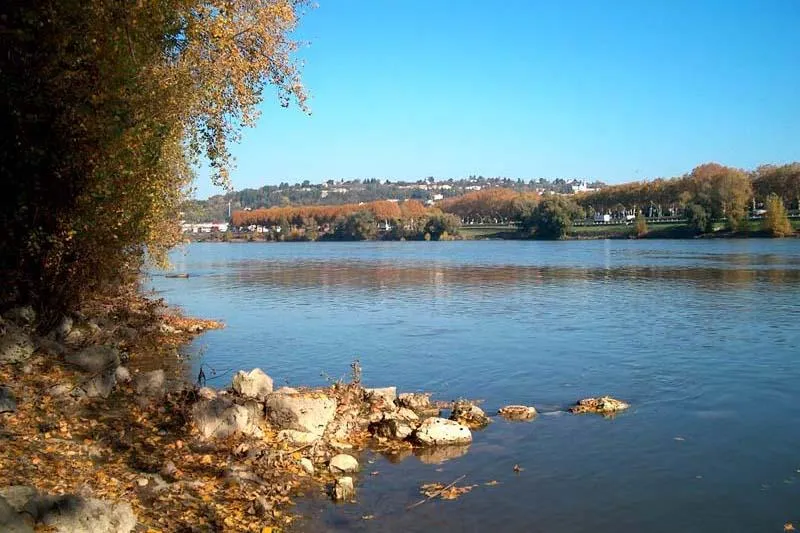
614,90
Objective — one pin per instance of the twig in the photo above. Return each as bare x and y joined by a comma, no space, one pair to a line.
435,494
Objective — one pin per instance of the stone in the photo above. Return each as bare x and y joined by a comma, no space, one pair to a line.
24,316
11,521
392,429
418,402
307,465
603,405
123,375
386,394
343,464
49,346
469,414
75,337
286,390
151,384
16,346
298,438
206,393
517,412
309,411
95,358
407,414
7,402
18,496
436,431
62,389
76,514
101,384
220,417
64,328
254,384
344,489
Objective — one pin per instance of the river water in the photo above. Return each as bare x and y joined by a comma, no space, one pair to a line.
702,337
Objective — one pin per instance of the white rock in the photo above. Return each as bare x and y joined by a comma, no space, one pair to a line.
75,514
16,346
308,411
95,358
297,438
439,431
253,384
123,374
220,417
101,384
151,383
206,393
517,412
343,464
307,466
387,394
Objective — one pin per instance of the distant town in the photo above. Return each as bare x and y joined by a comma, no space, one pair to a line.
203,215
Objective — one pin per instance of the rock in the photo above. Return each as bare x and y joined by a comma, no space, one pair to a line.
101,384
253,384
206,393
43,344
220,417
16,346
18,496
151,384
298,438
343,489
168,471
407,414
24,316
469,414
439,431
386,394
12,521
7,402
75,337
62,389
309,411
63,329
392,429
286,390
439,454
77,514
95,358
307,465
123,375
343,464
602,405
517,412
418,402
262,506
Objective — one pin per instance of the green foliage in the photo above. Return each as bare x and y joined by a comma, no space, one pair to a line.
440,225
776,221
698,218
359,226
552,218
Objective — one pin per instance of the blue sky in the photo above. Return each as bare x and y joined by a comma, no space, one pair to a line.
620,90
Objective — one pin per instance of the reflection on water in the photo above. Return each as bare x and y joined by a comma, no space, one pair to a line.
700,336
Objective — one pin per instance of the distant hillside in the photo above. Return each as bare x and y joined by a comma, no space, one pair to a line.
368,190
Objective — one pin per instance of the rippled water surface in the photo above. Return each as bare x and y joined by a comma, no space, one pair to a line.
702,337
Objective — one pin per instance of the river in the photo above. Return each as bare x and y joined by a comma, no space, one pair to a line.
702,337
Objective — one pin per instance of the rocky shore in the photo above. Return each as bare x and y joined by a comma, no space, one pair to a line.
98,434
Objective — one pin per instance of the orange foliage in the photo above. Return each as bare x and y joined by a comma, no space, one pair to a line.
272,216
494,203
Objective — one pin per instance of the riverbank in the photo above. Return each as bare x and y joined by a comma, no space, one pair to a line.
103,431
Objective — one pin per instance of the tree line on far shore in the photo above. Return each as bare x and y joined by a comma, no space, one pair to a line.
707,196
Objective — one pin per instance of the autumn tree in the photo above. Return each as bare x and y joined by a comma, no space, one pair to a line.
641,225
776,221
106,107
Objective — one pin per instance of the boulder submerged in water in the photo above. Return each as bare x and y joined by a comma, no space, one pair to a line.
468,414
605,405
436,431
